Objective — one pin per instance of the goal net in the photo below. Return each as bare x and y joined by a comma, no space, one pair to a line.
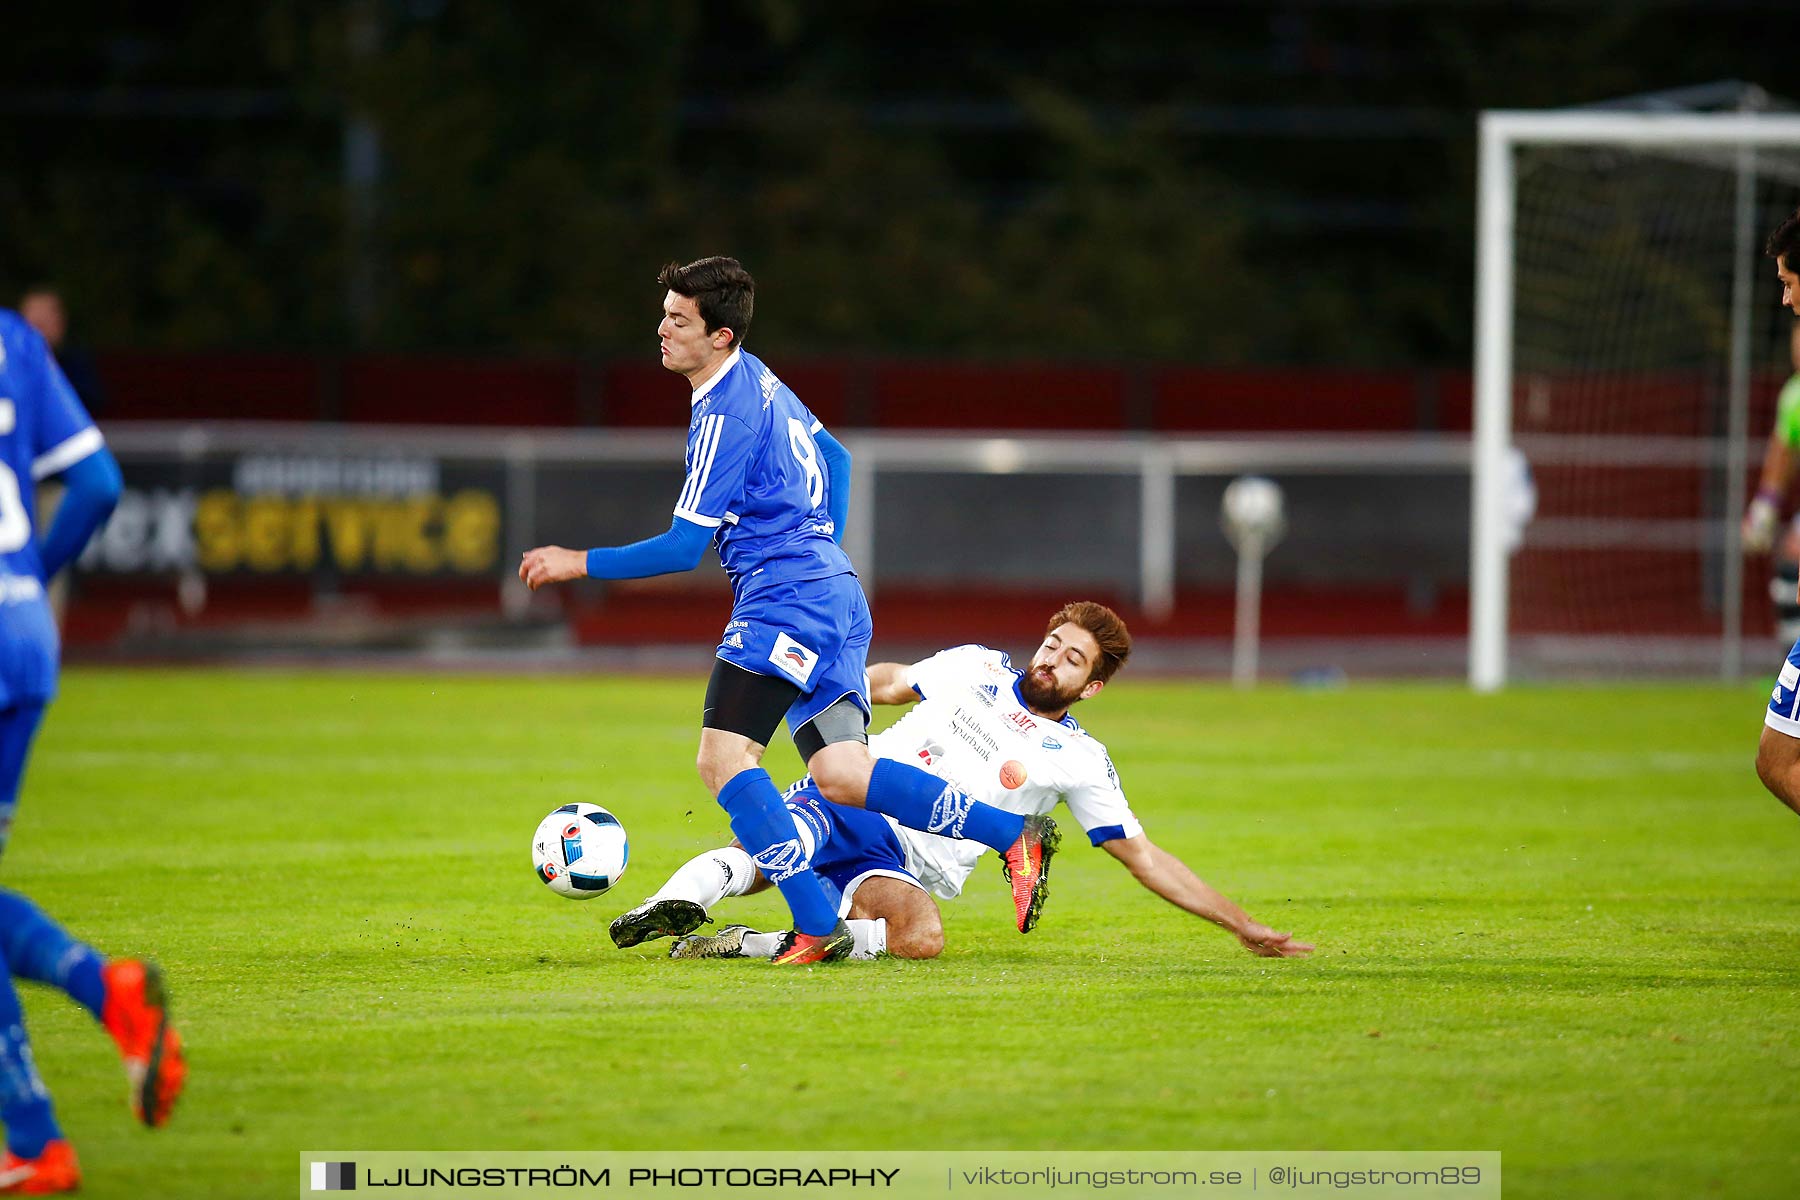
1629,345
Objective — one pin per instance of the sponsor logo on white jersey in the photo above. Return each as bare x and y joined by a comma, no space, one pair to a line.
1025,723
793,659
967,728
1051,743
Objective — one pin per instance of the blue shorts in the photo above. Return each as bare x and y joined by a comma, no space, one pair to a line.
814,634
1784,704
849,844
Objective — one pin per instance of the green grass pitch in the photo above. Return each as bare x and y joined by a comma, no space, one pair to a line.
1561,924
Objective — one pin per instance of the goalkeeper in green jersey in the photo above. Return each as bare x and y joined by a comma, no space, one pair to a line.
1778,753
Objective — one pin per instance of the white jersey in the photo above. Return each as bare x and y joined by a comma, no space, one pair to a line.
972,728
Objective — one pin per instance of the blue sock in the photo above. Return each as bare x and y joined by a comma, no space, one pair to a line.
765,827
24,1101
920,800
38,949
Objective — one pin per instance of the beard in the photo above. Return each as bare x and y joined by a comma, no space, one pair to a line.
1043,694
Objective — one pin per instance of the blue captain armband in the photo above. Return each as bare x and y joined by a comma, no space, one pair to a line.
677,550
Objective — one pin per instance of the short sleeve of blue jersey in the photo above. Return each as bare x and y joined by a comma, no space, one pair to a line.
61,432
720,450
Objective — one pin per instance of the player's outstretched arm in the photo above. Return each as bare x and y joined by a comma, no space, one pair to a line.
887,684
1171,879
1764,513
680,549
551,564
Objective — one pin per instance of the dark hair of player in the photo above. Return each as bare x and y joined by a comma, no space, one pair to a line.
1784,241
1108,629
720,288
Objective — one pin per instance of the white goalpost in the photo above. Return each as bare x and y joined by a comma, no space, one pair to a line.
1626,327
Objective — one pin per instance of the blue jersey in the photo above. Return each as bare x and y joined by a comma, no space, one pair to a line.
755,476
44,431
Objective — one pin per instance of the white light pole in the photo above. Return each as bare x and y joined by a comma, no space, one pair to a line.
1253,522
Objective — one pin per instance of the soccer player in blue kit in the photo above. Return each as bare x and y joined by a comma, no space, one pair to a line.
769,487
44,431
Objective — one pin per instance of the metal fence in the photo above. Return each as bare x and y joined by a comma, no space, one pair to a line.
1137,514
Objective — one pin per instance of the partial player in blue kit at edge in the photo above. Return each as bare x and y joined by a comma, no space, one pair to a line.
44,432
769,488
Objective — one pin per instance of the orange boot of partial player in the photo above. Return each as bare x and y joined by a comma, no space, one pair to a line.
136,1013
50,1173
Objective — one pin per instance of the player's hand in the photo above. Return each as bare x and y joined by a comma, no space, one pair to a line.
1266,943
551,564
1759,525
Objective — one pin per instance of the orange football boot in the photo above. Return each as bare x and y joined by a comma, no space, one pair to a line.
52,1172
136,1013
803,949
1026,865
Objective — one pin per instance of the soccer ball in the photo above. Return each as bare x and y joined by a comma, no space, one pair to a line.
579,851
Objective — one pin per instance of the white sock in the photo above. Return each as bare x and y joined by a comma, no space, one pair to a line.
762,945
708,878
871,937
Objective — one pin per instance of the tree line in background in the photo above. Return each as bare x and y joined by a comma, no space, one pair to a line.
1223,183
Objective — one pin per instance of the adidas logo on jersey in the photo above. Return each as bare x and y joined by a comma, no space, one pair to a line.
735,640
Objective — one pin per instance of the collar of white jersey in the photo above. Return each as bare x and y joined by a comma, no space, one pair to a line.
730,362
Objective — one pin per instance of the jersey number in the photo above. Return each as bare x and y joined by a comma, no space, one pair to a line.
15,526
808,454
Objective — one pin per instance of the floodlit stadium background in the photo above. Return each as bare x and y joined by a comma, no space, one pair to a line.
1240,229
363,296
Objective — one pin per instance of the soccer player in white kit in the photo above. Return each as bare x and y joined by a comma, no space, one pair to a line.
999,734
